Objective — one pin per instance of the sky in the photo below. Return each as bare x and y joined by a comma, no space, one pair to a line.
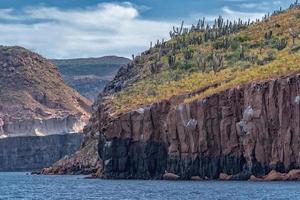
94,28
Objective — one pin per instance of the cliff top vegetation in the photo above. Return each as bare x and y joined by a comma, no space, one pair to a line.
216,57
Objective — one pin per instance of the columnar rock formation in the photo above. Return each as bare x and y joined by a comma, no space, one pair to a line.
243,131
34,100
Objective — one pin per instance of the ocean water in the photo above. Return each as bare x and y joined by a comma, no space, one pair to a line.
22,186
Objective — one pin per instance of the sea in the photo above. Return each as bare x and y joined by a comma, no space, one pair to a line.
22,185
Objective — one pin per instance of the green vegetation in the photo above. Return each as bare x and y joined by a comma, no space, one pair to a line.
227,53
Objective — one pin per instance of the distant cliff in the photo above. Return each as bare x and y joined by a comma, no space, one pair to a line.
34,100
33,153
90,75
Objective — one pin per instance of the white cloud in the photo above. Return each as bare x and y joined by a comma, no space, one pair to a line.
104,30
107,29
230,14
261,5
234,15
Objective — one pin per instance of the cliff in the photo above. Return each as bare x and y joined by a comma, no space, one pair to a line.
214,101
243,131
90,75
34,153
34,100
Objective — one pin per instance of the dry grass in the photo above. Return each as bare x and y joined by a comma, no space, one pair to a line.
174,82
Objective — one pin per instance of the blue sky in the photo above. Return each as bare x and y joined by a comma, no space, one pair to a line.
92,28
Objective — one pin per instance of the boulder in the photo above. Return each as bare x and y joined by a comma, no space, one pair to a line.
196,178
170,176
293,175
275,176
254,178
225,177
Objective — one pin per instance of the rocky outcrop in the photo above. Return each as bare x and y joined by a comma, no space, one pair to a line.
34,153
34,100
243,131
86,161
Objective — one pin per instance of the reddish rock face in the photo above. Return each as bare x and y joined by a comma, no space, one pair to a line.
240,132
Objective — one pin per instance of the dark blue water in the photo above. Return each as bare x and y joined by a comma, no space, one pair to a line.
22,186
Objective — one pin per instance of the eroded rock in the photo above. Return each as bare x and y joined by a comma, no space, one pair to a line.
225,177
170,177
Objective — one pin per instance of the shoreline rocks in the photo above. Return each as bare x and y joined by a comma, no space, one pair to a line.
225,177
171,177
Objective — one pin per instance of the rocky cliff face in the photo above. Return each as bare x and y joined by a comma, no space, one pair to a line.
33,153
34,100
243,131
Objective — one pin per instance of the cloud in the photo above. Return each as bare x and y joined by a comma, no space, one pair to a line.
234,15
103,30
230,14
261,5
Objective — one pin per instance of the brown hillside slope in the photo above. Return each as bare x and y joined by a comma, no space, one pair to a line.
34,100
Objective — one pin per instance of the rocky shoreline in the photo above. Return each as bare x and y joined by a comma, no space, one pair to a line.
293,175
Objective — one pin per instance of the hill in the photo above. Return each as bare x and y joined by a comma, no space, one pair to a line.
212,102
34,100
90,75
226,54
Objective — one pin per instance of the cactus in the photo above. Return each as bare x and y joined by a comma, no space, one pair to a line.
201,61
188,54
242,52
171,60
281,44
178,31
294,34
217,62
268,35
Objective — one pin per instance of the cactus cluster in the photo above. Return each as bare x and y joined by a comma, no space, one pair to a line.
228,48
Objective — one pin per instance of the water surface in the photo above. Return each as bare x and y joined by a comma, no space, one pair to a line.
22,186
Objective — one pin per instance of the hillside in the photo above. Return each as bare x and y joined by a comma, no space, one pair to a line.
90,75
213,101
34,100
224,55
